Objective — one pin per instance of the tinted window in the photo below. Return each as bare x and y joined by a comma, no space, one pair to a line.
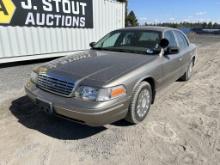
170,36
140,39
149,36
181,39
127,40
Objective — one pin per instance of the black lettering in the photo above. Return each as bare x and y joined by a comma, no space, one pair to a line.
2,8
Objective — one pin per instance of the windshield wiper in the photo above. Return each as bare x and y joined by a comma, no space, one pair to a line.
129,51
107,49
120,50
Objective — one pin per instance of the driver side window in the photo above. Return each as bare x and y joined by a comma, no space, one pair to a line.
127,39
170,37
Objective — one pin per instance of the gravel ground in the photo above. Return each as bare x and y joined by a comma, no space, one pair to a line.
182,128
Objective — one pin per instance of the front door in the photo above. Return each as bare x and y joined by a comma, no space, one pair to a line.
171,63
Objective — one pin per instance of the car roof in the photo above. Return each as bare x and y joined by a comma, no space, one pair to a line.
151,28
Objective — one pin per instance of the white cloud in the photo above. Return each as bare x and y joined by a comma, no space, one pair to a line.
195,20
201,13
156,21
186,20
172,19
143,19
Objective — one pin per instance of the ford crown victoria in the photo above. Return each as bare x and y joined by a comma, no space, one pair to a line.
118,78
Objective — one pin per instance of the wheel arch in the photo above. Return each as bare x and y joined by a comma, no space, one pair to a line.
152,83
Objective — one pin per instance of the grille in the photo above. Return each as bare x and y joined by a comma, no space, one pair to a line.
55,85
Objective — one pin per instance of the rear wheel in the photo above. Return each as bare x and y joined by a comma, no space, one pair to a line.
140,103
188,73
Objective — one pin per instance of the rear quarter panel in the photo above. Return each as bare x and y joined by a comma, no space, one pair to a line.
191,52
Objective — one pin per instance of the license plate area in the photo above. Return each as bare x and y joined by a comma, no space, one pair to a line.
44,105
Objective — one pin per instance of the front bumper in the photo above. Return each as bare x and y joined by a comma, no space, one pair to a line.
85,112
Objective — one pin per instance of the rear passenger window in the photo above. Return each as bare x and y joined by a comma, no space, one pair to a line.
170,37
181,39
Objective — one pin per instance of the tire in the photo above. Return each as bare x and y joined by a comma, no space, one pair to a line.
188,74
140,103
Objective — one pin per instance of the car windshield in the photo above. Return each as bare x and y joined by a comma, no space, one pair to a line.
141,42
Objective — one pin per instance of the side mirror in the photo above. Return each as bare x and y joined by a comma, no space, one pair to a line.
164,43
92,44
173,50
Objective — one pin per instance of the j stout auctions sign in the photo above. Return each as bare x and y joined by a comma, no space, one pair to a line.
47,13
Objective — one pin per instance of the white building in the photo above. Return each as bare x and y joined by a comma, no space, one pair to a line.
45,29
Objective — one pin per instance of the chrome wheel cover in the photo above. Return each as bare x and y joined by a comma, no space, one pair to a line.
143,103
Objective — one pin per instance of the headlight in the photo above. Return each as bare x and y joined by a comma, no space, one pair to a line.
34,77
87,93
94,94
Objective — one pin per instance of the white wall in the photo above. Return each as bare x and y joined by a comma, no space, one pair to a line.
36,42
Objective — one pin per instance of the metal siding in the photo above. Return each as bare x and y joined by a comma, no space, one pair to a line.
25,41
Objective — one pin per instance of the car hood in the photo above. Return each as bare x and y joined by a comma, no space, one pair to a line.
102,66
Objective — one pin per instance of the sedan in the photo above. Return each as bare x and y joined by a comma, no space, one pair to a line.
118,78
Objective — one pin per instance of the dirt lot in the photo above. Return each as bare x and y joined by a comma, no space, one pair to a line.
183,127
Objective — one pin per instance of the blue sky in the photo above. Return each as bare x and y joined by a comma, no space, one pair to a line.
176,10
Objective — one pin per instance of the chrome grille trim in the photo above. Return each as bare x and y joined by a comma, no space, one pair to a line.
56,84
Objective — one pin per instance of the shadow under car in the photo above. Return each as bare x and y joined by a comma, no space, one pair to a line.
28,115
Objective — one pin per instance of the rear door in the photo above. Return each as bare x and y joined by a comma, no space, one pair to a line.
185,51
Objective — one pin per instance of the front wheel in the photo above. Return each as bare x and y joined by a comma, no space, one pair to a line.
140,103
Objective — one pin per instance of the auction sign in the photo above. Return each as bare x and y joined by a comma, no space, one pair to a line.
47,13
